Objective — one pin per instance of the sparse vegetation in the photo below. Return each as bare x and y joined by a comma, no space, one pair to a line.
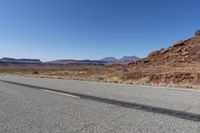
186,74
125,70
145,80
115,79
99,78
35,72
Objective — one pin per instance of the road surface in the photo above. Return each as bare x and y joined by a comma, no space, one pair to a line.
35,105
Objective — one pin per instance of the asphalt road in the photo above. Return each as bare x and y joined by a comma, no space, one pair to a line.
34,105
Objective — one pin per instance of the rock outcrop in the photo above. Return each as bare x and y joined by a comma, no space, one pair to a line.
187,51
179,64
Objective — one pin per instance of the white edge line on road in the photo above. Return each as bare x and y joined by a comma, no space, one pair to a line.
64,94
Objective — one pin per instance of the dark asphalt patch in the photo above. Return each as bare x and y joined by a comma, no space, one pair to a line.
137,106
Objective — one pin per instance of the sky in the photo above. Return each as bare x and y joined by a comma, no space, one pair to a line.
93,29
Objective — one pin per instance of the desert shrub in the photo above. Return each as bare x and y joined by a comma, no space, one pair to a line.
189,86
138,68
100,78
35,72
191,61
125,70
115,79
145,80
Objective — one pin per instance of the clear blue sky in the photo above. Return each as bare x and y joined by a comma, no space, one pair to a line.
93,29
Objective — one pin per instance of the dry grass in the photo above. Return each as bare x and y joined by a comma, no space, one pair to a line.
109,74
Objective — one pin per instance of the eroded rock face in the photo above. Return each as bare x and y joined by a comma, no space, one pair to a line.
177,64
176,77
187,51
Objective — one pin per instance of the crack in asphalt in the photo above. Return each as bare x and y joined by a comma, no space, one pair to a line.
152,109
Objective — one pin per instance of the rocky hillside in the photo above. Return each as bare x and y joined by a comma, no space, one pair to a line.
178,64
187,51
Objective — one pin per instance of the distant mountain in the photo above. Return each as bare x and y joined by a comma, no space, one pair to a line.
125,59
104,61
22,61
128,59
64,62
109,59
